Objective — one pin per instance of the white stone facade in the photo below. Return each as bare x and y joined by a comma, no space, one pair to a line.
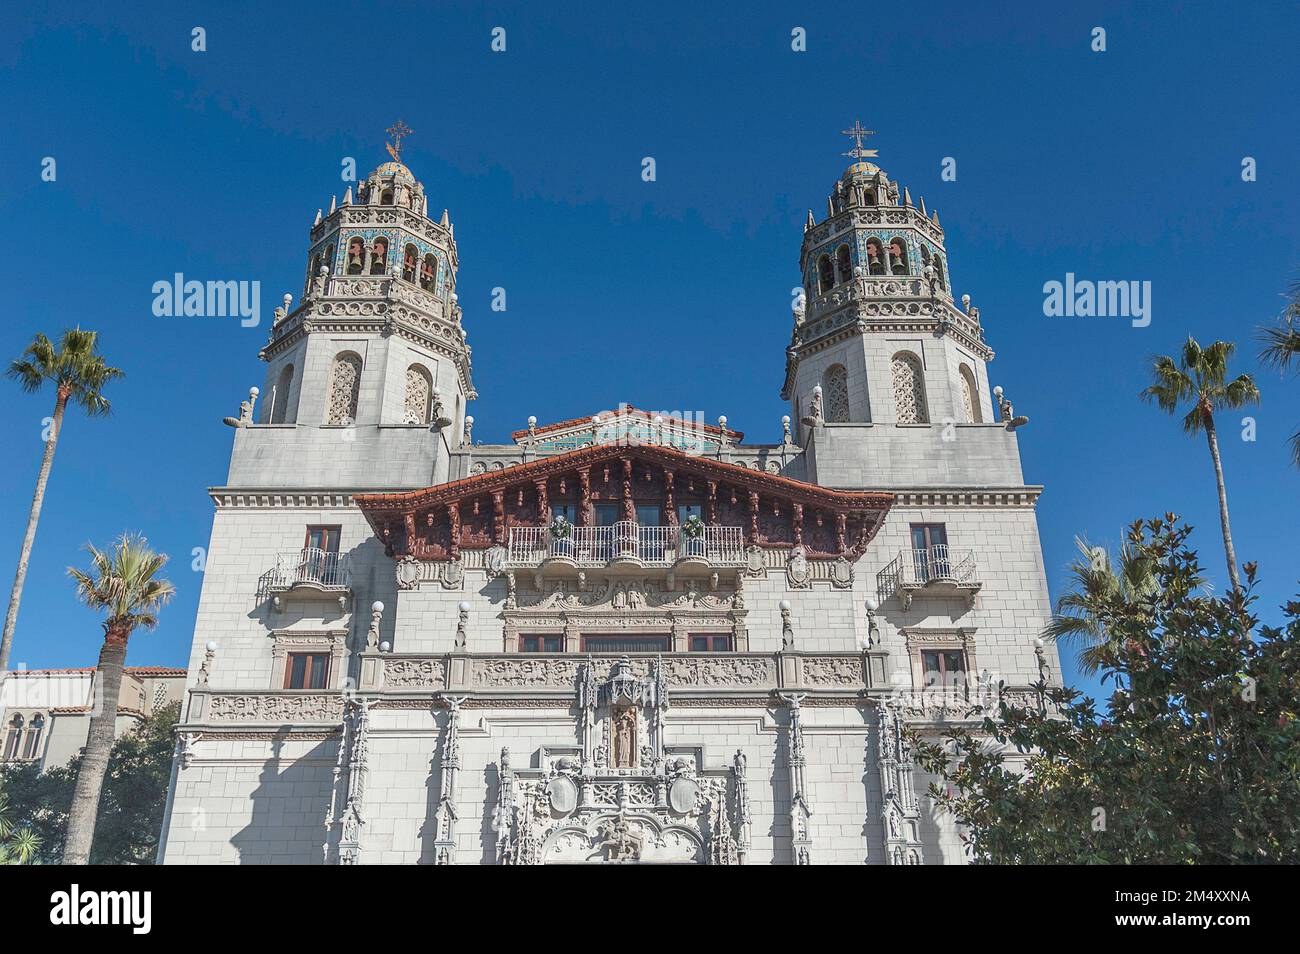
431,732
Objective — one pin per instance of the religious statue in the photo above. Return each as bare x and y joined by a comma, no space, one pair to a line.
624,738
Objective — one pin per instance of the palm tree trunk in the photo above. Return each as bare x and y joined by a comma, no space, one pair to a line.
99,743
1213,439
20,577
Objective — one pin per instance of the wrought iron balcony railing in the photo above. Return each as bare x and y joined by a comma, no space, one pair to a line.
935,566
313,567
628,540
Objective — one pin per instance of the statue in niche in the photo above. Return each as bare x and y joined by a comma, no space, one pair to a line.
624,737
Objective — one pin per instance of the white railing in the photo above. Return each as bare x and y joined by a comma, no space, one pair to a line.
933,564
311,566
597,546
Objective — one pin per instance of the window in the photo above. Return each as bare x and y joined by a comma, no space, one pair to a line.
930,552
938,273
875,257
307,671
909,389
320,558
625,644
825,274
647,515
836,394
541,644
419,388
410,260
280,396
842,263
379,255
428,272
32,745
897,257
686,510
13,737
969,401
943,668
566,510
356,255
323,538
345,388
607,514
711,644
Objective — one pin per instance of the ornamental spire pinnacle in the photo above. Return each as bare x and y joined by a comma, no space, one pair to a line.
399,131
857,134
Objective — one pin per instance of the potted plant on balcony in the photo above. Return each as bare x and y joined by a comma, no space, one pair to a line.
561,536
693,536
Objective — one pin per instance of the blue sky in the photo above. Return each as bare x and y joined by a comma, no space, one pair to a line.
673,294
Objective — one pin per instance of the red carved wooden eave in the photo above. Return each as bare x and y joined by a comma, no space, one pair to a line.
477,512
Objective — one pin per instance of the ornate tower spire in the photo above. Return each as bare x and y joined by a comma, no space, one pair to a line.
857,134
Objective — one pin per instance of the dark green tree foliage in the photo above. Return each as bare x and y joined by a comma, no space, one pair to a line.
1196,759
131,809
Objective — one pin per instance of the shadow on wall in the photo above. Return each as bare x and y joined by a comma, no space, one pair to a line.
432,798
487,831
781,833
289,806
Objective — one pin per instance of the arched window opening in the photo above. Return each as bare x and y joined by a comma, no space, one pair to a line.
835,391
379,256
280,396
428,272
32,744
386,197
419,389
825,274
938,273
842,264
356,255
312,269
970,397
897,256
410,260
870,197
345,388
13,737
875,257
909,389
328,261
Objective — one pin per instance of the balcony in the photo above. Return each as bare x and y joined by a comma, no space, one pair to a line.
309,572
933,571
626,543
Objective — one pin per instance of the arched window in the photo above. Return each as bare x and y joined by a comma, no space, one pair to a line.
13,737
938,273
428,272
835,391
345,388
356,255
909,389
379,256
825,274
970,401
280,396
32,744
875,257
328,261
312,269
386,197
410,261
897,256
419,388
842,263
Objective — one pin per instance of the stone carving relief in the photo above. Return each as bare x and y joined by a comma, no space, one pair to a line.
402,673
280,707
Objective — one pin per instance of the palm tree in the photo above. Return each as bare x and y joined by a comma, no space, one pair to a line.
1282,346
122,583
18,846
79,375
1080,616
1201,376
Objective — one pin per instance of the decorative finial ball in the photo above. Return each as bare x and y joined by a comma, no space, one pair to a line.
785,418
437,392
211,646
454,298
323,270
817,389
532,420
253,392
376,607
469,418
997,391
722,420
287,300
385,646
659,420
785,606
965,301
595,418
872,605
1038,643
463,606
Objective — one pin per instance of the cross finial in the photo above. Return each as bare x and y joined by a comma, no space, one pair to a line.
857,133
398,131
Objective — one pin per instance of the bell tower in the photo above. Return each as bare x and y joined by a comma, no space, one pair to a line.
877,336
375,355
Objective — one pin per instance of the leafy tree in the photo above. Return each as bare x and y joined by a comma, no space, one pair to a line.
18,845
121,582
1282,346
79,375
1196,758
131,808
1200,376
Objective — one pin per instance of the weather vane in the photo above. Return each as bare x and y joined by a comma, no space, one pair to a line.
857,133
398,131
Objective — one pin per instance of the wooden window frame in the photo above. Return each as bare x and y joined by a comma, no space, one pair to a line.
541,640
309,670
